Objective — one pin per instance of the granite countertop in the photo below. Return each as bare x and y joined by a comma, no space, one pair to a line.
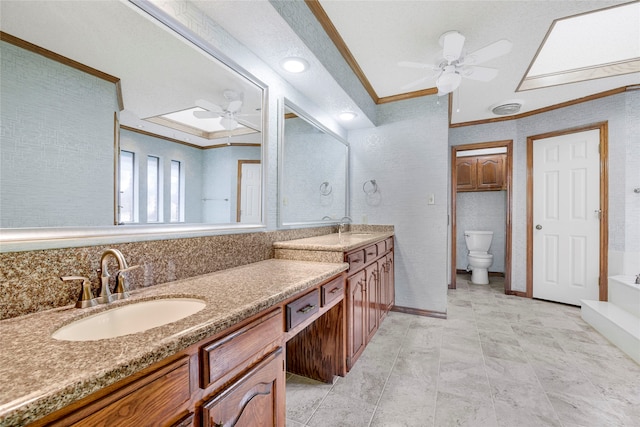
335,242
40,374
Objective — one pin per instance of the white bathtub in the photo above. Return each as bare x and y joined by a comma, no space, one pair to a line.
619,318
624,293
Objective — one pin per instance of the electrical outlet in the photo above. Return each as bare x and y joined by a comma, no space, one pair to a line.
364,219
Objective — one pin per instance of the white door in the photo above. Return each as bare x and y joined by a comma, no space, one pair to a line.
566,206
250,193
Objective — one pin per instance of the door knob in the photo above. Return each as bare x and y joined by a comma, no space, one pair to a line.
538,227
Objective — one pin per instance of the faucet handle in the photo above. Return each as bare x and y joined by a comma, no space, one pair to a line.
121,291
86,298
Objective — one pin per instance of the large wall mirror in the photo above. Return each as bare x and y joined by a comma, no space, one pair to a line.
114,119
313,167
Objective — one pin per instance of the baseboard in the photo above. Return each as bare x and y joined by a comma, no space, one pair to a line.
419,312
517,294
491,273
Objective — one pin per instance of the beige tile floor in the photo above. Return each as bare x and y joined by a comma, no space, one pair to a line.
496,360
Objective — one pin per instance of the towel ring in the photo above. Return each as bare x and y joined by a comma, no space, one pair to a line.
371,188
325,188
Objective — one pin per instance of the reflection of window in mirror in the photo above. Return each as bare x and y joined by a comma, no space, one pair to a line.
177,201
153,189
127,187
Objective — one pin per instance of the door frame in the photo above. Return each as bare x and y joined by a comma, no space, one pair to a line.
604,202
509,178
239,185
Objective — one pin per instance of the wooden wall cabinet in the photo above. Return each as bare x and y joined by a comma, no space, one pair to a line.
370,294
481,173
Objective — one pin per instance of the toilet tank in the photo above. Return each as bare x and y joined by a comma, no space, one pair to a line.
478,241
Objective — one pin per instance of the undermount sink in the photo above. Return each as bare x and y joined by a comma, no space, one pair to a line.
129,319
359,234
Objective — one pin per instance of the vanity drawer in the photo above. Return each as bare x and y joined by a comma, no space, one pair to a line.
355,259
302,308
332,290
233,353
382,247
150,400
371,252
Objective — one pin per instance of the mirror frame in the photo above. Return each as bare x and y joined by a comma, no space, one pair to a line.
287,104
36,238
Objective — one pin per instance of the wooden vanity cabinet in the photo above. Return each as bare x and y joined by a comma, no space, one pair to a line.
370,294
356,316
233,378
481,173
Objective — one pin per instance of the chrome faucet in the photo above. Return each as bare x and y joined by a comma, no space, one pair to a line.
344,221
638,279
121,290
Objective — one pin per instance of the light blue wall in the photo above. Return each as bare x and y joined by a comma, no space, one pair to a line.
57,146
220,176
407,155
486,211
622,112
312,157
191,160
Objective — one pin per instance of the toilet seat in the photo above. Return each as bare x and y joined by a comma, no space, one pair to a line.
481,256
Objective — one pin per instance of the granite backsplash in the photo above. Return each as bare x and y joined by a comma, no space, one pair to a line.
30,281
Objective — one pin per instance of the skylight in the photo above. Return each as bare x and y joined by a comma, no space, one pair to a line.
593,45
208,128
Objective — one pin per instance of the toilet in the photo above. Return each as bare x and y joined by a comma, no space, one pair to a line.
478,243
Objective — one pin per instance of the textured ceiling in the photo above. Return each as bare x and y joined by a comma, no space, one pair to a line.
379,34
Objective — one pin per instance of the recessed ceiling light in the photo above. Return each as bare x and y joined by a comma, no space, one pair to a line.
294,65
347,115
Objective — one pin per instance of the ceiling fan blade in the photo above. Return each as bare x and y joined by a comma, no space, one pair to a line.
208,106
483,74
418,65
234,106
452,43
494,50
205,114
249,124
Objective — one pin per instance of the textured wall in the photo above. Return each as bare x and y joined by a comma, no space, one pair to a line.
190,159
57,141
482,210
407,155
220,181
623,114
310,158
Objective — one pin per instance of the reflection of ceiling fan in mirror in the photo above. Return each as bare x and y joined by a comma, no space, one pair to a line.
454,64
229,116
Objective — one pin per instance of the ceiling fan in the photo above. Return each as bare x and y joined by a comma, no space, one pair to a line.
455,64
229,116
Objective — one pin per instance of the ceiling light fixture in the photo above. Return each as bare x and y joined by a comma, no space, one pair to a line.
448,81
506,108
294,65
347,115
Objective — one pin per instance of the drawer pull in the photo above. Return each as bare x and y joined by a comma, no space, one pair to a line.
307,308
334,290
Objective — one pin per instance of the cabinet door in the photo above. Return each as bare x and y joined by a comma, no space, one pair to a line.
356,320
465,173
251,401
372,294
490,172
386,285
389,282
